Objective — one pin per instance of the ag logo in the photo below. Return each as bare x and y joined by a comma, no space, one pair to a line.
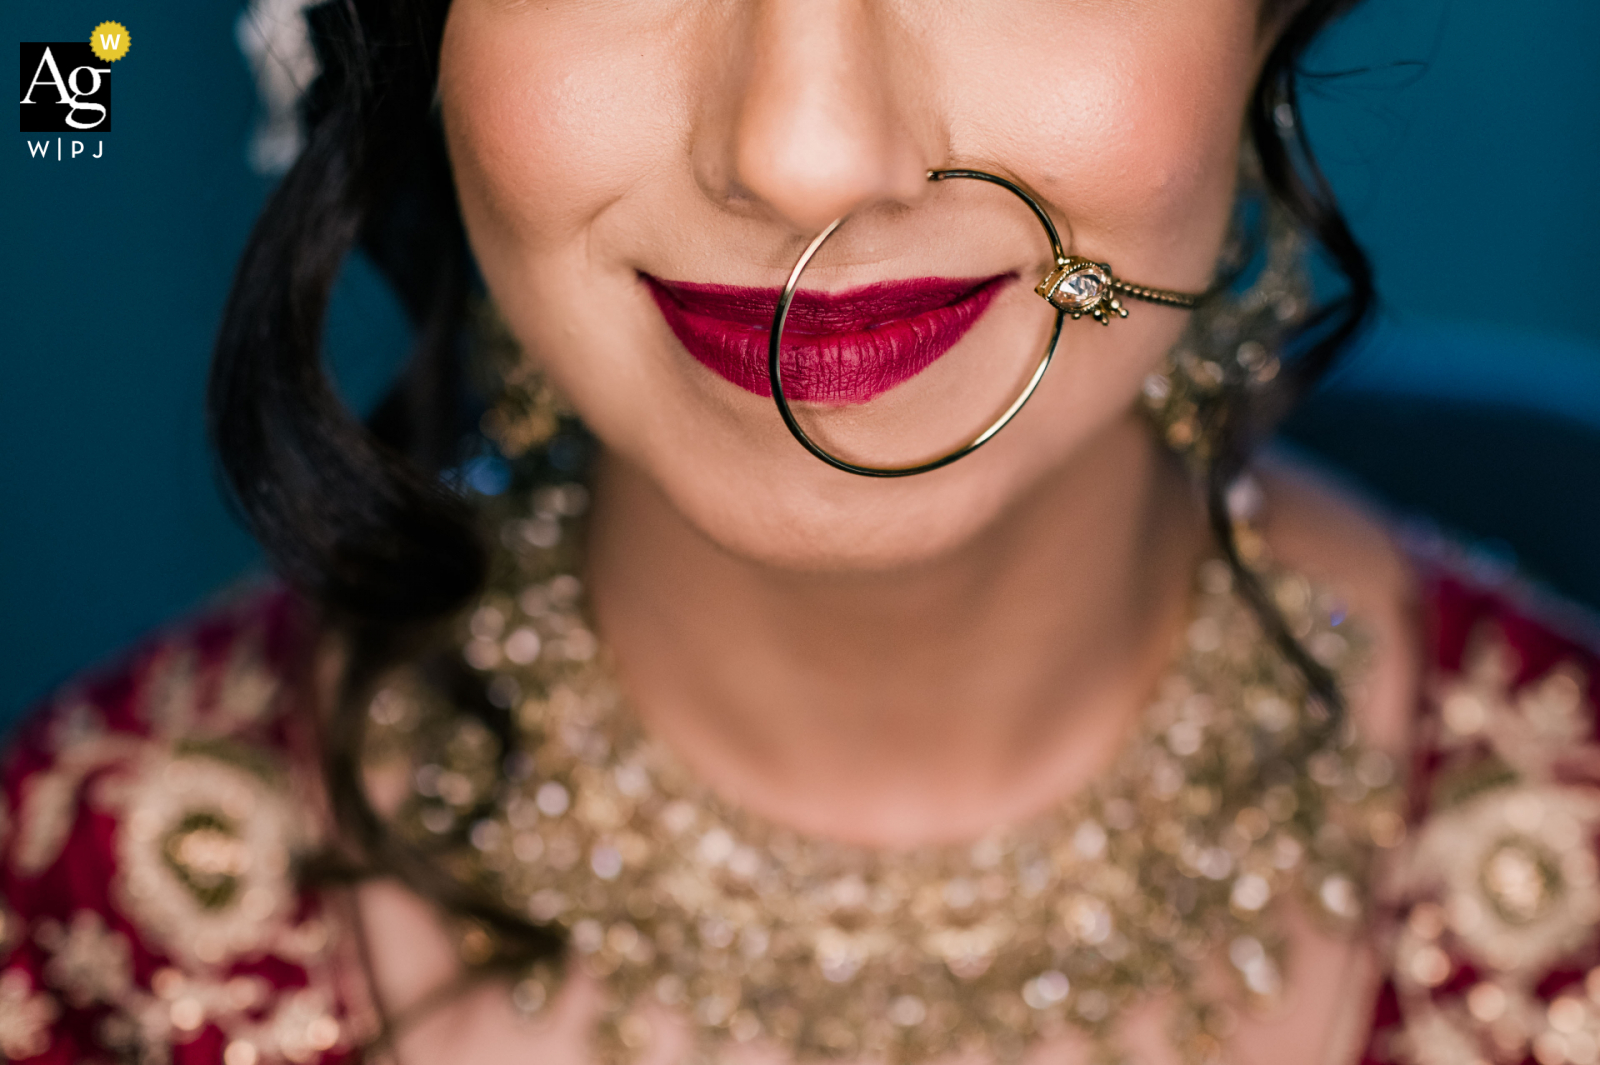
65,88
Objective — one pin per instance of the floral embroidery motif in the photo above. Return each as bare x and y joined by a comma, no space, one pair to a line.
204,849
1518,887
207,824
1500,879
89,963
49,799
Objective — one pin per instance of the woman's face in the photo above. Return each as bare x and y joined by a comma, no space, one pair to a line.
638,177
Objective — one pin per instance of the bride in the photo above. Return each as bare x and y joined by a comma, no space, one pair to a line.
705,691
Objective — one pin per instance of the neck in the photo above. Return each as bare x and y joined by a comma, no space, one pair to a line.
916,705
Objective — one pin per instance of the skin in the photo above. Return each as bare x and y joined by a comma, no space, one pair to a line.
897,662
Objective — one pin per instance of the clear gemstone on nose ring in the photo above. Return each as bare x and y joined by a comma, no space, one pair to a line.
1078,286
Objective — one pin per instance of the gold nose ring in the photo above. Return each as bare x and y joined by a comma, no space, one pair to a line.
1074,287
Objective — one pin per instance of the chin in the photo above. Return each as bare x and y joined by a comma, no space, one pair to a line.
816,520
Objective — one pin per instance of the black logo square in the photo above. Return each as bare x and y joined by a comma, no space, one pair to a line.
65,89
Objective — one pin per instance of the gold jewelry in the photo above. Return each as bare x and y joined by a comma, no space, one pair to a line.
1231,797
1082,286
1232,343
1074,286
527,410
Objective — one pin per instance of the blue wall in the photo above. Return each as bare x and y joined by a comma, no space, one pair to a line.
1471,149
1468,147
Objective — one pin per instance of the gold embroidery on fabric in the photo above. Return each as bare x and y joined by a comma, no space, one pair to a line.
1516,880
89,962
247,689
46,815
1503,873
206,834
169,700
204,852
25,1016
204,848
48,808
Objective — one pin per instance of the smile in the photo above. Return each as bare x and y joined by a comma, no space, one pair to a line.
838,347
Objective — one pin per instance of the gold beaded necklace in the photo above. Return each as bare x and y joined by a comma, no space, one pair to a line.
1232,795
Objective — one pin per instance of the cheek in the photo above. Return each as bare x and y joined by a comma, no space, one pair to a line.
1168,127
1171,142
550,145
1126,117
543,127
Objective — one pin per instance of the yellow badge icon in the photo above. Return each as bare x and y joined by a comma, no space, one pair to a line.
110,41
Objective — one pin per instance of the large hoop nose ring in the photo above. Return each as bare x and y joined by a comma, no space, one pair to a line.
1075,286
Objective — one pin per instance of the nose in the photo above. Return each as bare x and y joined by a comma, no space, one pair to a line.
825,117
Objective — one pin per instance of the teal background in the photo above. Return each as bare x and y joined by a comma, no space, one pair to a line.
1463,138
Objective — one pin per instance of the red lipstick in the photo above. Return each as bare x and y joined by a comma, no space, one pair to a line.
838,347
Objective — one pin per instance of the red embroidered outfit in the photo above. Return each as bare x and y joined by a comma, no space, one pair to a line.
148,831
150,820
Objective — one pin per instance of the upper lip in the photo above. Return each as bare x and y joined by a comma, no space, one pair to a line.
838,346
817,313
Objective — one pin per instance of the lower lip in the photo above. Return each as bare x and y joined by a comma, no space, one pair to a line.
838,347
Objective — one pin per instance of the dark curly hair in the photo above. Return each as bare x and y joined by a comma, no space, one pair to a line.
356,517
